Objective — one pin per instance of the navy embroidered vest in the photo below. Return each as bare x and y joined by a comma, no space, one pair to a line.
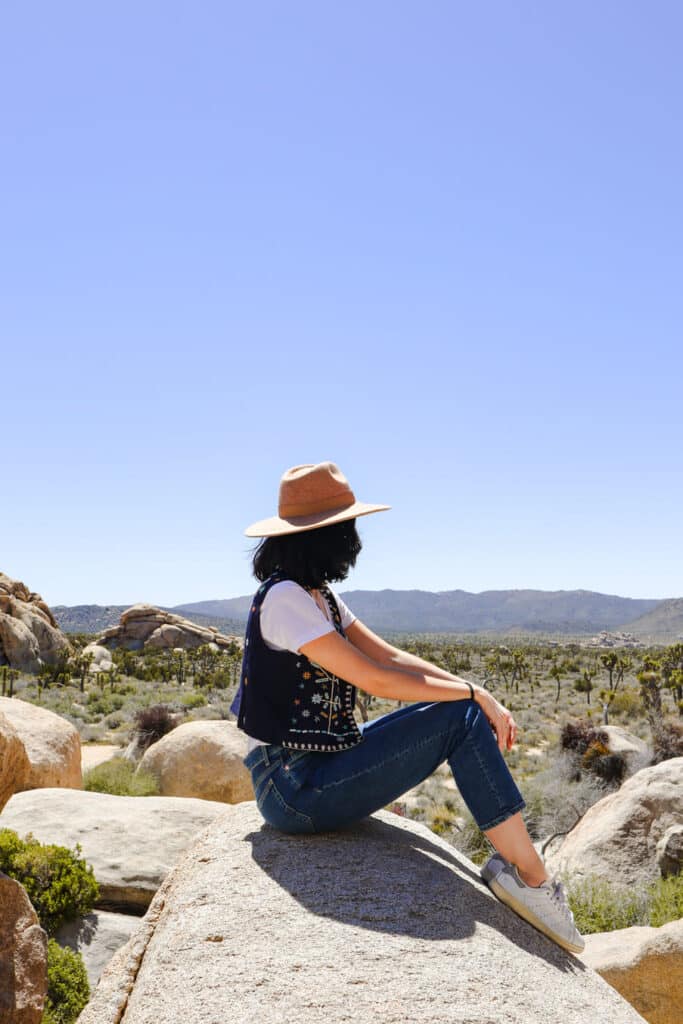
285,698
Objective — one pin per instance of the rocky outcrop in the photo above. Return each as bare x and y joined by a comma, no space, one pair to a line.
618,836
143,625
14,763
645,965
382,921
101,658
29,634
23,957
132,842
52,744
97,936
201,759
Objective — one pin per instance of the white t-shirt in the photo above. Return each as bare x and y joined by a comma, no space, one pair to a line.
291,617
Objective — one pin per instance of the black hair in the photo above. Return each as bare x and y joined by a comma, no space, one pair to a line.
310,557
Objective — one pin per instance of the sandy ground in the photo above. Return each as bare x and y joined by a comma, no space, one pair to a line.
96,753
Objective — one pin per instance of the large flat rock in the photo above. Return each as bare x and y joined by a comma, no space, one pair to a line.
132,842
382,920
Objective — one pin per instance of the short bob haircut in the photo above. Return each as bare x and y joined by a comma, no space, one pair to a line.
310,557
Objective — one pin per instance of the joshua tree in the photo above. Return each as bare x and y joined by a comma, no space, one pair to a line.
556,672
520,667
585,683
672,672
650,679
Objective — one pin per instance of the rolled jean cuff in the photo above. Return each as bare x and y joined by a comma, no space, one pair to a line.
502,817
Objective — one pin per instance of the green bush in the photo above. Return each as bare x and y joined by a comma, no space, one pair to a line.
627,703
118,776
59,883
666,900
600,907
68,989
194,700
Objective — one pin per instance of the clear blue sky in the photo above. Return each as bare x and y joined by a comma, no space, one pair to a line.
436,243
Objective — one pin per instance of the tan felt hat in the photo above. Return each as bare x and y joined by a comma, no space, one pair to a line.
310,496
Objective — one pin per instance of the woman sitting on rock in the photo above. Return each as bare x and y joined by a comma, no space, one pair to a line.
314,768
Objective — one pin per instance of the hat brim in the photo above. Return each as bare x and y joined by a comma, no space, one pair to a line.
276,526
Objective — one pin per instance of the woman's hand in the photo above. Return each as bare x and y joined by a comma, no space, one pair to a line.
502,722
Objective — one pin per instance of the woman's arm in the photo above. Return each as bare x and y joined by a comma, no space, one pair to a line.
386,654
342,658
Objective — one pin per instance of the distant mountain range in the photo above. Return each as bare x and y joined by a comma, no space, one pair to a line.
93,618
558,612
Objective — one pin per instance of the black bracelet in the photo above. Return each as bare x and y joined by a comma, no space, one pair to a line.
471,689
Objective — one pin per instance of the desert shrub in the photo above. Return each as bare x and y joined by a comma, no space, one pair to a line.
667,741
59,883
589,752
666,900
153,722
626,703
555,800
216,679
599,907
105,704
194,700
579,735
119,777
598,759
68,989
471,841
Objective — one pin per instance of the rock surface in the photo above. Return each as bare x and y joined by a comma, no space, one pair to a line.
621,741
29,634
144,625
131,841
645,965
381,921
97,936
202,759
670,851
617,838
101,658
23,956
14,763
52,744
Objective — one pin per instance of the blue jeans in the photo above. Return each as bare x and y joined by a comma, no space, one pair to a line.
317,791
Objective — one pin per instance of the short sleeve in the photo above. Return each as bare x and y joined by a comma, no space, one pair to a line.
347,616
290,617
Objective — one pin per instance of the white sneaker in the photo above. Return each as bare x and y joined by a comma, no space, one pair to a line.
544,906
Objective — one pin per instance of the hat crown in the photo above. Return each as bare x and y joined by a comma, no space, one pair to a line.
311,489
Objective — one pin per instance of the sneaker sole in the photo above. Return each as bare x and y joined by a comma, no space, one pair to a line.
505,897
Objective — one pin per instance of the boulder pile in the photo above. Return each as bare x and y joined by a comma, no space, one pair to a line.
29,634
144,625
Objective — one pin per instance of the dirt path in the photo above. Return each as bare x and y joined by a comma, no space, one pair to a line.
96,753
